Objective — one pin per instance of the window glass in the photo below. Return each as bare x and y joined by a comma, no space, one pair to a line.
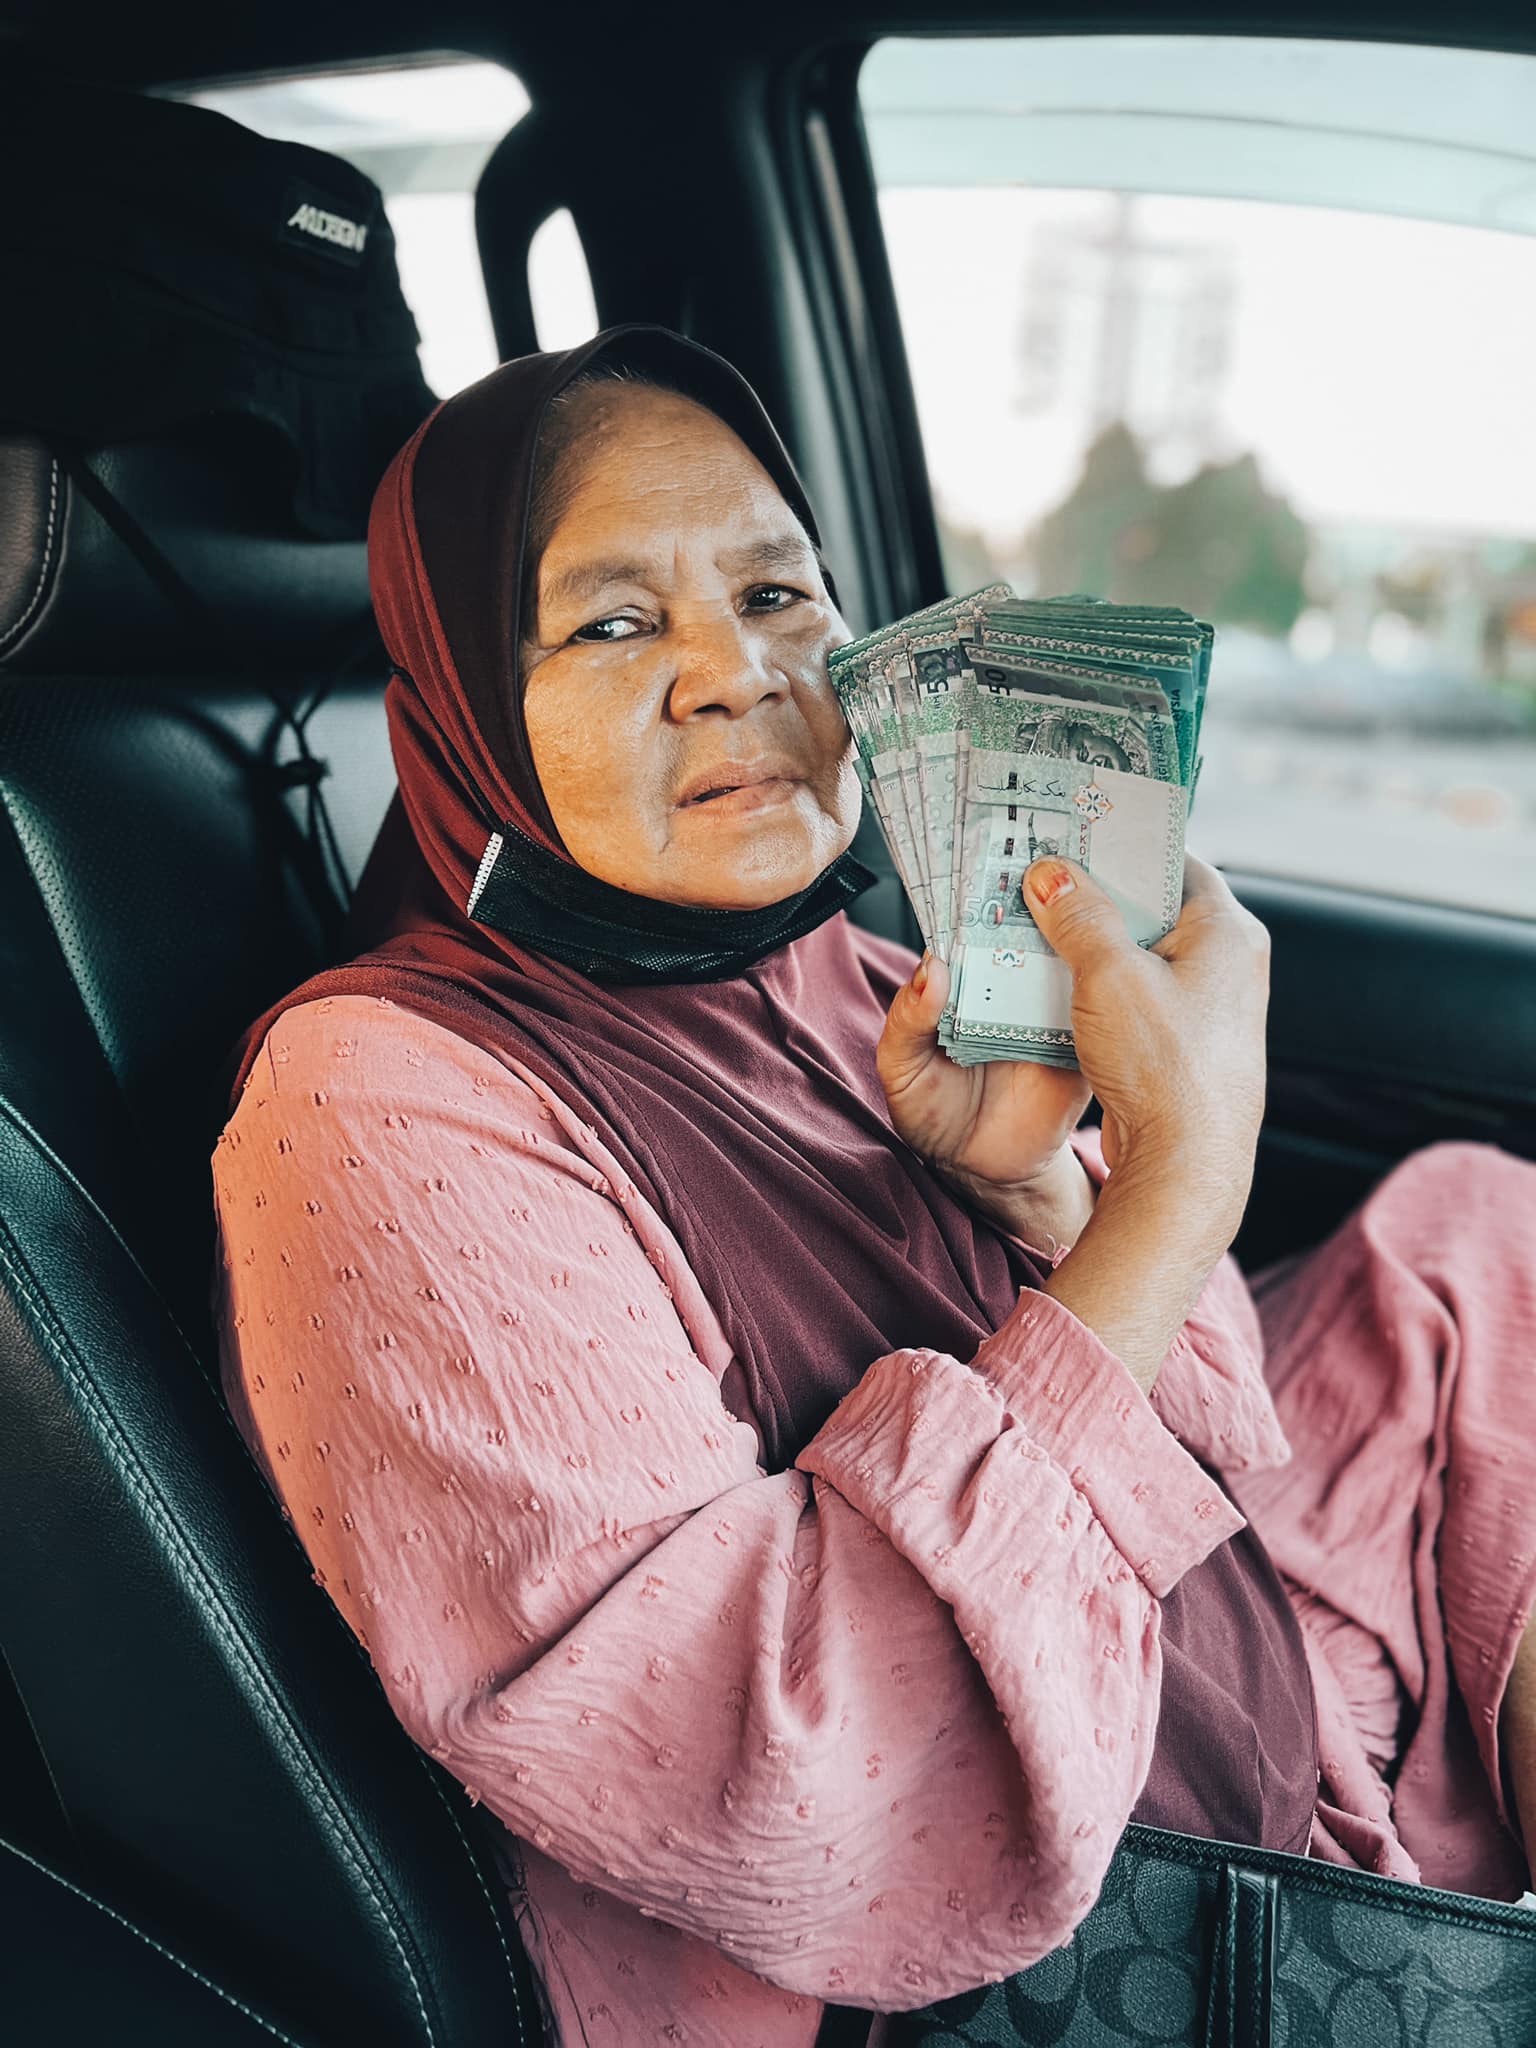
1247,326
423,133
559,285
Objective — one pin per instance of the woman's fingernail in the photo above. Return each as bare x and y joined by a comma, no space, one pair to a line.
920,978
1049,879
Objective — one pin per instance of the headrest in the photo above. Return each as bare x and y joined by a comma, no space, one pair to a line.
77,598
205,344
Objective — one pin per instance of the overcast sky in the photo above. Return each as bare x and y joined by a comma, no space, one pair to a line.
1382,369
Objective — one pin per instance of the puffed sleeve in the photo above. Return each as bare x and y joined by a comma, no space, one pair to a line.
871,1725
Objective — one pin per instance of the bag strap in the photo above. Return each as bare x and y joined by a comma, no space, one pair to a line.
844,2026
328,884
1240,2013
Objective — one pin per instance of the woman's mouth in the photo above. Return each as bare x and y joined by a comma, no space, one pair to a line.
736,787
740,797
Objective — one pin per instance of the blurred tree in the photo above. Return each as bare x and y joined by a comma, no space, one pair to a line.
1102,524
1220,543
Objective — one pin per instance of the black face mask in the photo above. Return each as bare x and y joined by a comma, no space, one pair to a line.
532,896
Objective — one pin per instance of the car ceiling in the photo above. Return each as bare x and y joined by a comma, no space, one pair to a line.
169,45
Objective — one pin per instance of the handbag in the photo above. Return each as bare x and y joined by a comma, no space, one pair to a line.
1200,1944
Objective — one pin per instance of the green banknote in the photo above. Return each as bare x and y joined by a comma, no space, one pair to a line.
1012,993
991,729
1138,740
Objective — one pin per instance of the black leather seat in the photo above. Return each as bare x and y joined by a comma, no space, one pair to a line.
193,1740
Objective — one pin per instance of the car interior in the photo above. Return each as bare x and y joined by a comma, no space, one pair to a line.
212,1829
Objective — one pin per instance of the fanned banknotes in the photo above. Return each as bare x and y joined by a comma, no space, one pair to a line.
992,729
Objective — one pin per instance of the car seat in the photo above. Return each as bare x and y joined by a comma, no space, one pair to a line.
212,1828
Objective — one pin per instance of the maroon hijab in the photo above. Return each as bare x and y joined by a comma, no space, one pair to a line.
745,1107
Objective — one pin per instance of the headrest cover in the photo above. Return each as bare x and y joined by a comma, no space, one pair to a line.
165,264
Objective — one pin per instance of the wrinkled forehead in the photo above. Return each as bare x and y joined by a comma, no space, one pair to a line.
617,450
655,481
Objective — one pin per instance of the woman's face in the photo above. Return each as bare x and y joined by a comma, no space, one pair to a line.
688,742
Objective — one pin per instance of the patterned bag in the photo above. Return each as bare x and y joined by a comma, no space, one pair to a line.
1196,1944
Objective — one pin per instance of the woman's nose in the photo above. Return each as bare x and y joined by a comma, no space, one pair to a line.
722,665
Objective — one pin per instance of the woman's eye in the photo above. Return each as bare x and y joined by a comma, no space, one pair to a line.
594,633
783,590
603,632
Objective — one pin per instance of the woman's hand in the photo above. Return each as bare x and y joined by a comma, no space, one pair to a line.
1171,1040
1170,1037
998,1133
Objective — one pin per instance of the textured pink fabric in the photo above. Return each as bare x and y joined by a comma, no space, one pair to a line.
1400,1357
863,1730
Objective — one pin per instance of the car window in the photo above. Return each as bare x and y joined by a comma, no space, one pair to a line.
423,133
1248,325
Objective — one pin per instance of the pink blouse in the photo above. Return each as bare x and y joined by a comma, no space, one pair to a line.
865,1730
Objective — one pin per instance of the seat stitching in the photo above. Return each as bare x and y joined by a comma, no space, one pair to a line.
221,1407
150,1942
429,1772
13,1262
42,575
474,1864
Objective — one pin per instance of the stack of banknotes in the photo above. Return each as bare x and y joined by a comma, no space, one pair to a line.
994,729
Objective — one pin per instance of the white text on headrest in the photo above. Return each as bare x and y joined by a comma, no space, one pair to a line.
328,227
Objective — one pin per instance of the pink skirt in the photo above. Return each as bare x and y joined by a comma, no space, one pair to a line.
1402,1359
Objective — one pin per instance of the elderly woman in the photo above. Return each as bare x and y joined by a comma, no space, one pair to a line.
789,1480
